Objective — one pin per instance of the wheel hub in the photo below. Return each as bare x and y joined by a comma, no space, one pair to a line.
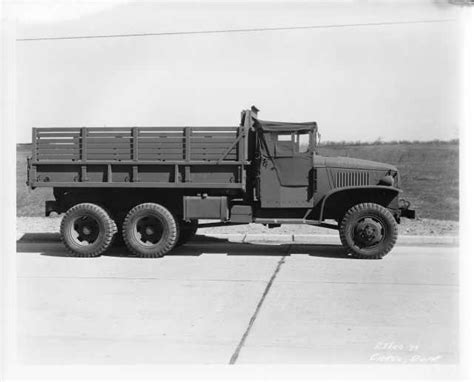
86,230
368,232
149,230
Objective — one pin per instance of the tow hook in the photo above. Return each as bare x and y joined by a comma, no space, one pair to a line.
405,211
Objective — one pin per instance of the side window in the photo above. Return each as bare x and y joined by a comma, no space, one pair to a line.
303,142
285,137
285,144
292,143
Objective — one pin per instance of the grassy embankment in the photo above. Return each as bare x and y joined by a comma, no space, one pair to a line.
429,170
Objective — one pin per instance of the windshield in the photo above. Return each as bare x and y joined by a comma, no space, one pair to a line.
302,142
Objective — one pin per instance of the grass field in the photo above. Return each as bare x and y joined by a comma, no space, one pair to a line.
430,176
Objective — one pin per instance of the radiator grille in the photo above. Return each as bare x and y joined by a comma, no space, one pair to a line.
351,178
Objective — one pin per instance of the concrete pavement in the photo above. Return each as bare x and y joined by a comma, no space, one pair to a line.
215,301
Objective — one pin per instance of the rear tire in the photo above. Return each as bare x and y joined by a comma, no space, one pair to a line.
87,230
187,231
150,230
368,231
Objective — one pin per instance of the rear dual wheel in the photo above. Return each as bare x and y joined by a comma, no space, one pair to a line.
150,230
87,230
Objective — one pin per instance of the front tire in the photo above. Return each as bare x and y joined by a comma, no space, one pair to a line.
150,230
87,230
368,231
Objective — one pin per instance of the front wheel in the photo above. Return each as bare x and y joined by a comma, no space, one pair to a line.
368,231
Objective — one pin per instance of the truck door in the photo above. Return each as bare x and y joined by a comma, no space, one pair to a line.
286,169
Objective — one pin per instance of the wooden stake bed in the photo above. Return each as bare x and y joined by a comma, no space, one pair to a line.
139,157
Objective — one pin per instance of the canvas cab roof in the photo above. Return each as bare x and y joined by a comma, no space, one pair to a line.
249,118
284,126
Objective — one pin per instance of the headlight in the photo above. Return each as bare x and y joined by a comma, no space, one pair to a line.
387,180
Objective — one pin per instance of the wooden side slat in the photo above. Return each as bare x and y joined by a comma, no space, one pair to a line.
110,143
158,128
108,150
162,134
161,146
161,155
56,129
217,155
179,128
49,135
108,129
151,157
161,140
60,140
57,151
213,141
141,129
109,157
172,145
106,147
108,135
160,151
109,140
171,162
214,128
213,135
193,150
110,153
217,150
62,146
63,157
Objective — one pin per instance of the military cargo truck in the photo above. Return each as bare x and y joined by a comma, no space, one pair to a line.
150,186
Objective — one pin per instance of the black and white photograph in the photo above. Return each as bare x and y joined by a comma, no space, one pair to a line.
216,190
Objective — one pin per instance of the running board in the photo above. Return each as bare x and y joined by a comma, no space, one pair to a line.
218,224
296,221
273,221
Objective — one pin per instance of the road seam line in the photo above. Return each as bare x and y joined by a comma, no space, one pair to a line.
236,353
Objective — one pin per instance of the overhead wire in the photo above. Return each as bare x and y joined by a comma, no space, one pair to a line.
242,30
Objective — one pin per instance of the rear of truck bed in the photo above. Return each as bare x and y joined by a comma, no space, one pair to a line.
139,157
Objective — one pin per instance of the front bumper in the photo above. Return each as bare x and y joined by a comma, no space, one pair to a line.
405,211
408,213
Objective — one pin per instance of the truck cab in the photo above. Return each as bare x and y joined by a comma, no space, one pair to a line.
285,164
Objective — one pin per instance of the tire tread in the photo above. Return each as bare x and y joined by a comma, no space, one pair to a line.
384,212
169,244
110,229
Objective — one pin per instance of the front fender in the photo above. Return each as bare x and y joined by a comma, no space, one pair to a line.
386,194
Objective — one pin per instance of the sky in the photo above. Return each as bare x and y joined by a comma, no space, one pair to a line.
397,81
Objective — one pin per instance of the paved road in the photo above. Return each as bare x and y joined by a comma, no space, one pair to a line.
221,302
